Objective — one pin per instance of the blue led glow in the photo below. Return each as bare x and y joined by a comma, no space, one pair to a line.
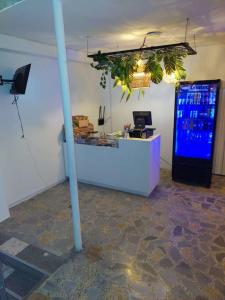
195,120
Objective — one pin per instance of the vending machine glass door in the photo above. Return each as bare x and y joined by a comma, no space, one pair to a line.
195,120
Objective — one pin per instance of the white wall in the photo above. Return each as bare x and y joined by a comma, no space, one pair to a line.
159,100
86,94
33,164
208,64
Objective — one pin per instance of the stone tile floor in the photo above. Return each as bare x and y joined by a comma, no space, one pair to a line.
170,246
15,257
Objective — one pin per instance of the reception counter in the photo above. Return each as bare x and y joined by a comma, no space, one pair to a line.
133,166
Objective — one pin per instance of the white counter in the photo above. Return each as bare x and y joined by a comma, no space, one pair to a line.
133,167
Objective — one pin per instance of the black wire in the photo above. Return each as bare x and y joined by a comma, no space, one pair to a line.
186,29
15,101
195,42
144,41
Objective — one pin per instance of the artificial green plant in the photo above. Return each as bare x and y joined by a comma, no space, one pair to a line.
123,67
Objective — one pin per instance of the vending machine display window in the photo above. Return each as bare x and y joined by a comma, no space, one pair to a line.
195,120
195,124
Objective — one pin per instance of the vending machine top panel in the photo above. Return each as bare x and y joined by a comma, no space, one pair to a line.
195,119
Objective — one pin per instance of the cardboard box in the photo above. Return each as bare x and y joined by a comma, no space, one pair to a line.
83,123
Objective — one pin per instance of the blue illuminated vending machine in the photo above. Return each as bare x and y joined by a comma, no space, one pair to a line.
195,115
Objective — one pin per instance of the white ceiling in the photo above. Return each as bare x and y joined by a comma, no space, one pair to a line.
7,3
118,24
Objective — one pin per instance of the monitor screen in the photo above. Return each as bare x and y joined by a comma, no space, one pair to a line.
195,119
20,80
142,118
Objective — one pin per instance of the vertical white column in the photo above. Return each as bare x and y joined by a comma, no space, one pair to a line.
65,90
4,209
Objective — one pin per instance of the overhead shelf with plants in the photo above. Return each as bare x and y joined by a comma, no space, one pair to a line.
136,68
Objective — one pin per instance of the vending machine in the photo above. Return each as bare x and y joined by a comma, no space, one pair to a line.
195,116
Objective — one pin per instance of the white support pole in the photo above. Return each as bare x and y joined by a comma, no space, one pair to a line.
65,90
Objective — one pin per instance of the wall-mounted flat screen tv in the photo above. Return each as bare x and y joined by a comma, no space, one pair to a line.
20,79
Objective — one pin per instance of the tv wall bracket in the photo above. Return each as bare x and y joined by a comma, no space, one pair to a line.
5,81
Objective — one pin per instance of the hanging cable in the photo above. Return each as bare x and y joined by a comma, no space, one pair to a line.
87,45
186,29
144,41
35,164
15,101
195,43
110,102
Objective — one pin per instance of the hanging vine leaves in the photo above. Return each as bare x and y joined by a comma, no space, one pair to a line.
122,68
169,63
153,67
173,63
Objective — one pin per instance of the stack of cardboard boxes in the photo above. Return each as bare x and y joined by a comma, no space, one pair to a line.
81,126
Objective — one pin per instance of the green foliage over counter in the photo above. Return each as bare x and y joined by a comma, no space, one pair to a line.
123,67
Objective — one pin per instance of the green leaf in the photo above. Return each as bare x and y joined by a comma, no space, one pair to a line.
154,67
159,56
181,74
129,94
169,63
116,82
123,96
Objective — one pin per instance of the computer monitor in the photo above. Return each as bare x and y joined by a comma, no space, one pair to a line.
20,80
142,118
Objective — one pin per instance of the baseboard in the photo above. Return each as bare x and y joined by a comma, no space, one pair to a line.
37,192
6,216
219,174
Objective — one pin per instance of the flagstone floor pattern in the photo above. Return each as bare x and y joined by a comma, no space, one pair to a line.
170,246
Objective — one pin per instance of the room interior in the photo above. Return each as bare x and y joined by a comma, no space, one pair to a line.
143,233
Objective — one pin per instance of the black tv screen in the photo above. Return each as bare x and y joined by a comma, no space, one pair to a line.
20,79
